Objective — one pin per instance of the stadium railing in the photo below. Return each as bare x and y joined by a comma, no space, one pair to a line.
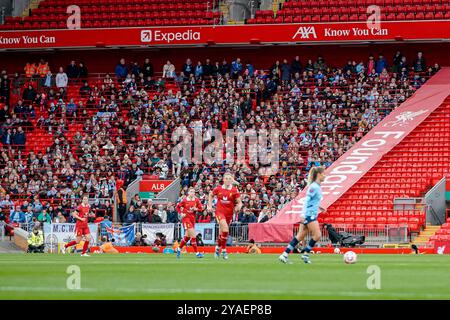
374,236
2,230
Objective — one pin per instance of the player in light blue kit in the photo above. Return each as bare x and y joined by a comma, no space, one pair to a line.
309,216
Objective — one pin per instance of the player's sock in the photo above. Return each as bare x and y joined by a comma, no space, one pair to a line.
194,244
184,241
310,245
219,241
291,246
85,247
71,243
224,237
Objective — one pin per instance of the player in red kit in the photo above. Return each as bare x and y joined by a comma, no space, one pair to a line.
187,208
81,227
228,202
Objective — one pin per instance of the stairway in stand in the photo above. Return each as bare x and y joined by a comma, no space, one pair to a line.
424,236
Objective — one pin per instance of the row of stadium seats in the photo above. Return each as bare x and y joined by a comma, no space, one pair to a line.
113,13
442,234
343,11
347,18
356,3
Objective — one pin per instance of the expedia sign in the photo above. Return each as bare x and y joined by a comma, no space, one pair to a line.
169,37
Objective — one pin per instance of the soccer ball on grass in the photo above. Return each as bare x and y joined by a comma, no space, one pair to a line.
350,257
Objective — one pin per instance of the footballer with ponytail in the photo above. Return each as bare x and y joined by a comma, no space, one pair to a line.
311,207
313,172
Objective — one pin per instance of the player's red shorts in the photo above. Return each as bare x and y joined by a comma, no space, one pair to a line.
188,223
220,216
82,231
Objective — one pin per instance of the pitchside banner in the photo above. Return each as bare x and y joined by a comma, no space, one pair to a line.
352,165
64,232
207,230
123,236
151,229
229,34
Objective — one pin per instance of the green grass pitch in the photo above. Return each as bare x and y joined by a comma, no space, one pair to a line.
158,276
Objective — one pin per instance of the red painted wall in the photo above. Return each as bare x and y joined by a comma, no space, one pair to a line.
104,60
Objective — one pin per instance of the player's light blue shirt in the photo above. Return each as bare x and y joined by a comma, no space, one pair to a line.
312,201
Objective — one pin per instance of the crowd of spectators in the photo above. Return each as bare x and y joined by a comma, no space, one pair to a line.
125,125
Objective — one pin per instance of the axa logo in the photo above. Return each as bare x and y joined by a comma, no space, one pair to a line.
305,33
168,37
404,118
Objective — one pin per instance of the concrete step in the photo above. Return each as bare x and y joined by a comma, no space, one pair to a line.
7,246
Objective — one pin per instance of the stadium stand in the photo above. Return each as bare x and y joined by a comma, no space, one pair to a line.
78,143
409,170
301,11
51,14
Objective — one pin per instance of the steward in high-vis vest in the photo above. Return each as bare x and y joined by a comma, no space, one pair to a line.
36,241
30,70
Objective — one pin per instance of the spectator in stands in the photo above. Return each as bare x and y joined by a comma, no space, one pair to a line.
144,215
236,68
17,216
7,137
198,70
121,70
208,68
61,79
432,70
309,66
380,64
72,70
140,240
48,81
4,113
249,70
29,94
172,215
371,65
5,89
36,241
285,71
44,216
188,69
247,216
147,68
320,64
160,240
82,71
224,68
205,217
419,63
161,213
396,61
169,70
296,66
131,216
135,69
19,138
60,218
85,89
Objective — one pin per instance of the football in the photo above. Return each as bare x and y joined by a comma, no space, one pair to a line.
350,257
337,250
